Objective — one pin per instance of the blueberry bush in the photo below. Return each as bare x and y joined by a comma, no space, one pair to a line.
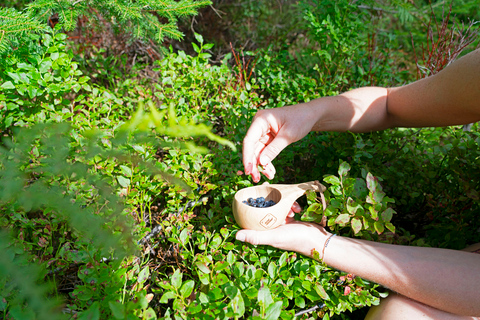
117,173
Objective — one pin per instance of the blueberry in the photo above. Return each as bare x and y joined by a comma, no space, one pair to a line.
259,202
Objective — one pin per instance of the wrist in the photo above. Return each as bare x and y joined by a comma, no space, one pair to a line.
319,244
327,242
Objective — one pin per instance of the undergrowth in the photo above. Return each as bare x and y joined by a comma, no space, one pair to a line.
117,177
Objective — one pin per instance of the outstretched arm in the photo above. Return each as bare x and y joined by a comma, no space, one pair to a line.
450,97
444,279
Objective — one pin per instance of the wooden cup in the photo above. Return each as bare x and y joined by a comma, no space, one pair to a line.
284,195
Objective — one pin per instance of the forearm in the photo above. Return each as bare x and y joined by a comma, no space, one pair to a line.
359,110
450,97
444,279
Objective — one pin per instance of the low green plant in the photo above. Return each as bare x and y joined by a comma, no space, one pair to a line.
187,263
358,203
233,280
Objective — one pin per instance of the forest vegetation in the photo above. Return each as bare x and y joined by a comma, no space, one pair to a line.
121,126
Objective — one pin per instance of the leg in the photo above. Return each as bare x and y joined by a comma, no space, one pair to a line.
398,307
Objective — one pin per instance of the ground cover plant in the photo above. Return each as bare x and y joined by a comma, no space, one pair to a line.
117,173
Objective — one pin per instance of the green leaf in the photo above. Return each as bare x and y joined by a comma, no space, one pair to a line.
149,314
231,258
143,275
274,310
203,298
195,48
118,309
220,279
167,296
216,241
282,261
372,182
187,288
126,170
373,212
215,293
198,37
238,305
321,291
387,214
332,180
124,182
343,219
176,279
92,313
360,190
343,169
202,266
379,227
231,290
390,226
300,302
264,296
272,270
184,236
208,46
378,195
356,225
353,206
8,85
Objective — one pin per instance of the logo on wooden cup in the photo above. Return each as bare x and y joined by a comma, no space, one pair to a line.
268,221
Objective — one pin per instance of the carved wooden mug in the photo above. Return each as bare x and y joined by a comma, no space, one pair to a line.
284,196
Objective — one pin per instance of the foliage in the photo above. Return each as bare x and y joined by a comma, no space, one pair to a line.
231,279
145,19
36,85
17,29
142,19
360,203
61,206
116,201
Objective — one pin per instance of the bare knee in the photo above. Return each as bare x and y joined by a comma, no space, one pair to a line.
398,307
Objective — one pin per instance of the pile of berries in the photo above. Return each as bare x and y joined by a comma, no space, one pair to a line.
259,202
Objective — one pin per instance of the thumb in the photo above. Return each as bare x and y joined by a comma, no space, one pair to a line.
272,150
252,237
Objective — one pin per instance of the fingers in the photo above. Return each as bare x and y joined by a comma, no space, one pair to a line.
296,207
254,237
272,150
253,143
269,171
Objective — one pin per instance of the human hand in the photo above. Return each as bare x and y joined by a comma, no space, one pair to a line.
270,132
301,237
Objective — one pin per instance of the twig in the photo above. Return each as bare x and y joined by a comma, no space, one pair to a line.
318,306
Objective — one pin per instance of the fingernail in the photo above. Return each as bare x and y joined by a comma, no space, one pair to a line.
264,160
240,236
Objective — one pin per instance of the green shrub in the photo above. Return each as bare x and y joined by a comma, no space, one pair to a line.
154,183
